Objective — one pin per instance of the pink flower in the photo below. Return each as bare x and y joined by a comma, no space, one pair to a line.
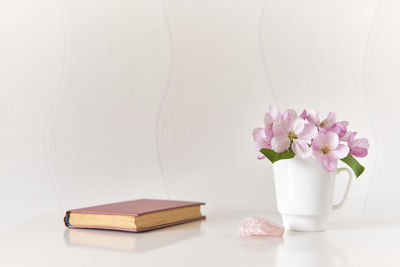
328,124
270,117
358,147
340,128
291,129
326,149
263,136
313,117
262,140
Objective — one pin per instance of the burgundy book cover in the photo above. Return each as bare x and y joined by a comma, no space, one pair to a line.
134,208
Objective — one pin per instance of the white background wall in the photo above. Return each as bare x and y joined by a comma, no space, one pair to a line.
114,100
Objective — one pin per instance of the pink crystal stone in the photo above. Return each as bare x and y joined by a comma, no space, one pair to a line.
253,226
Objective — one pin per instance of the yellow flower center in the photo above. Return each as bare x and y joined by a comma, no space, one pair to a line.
292,136
326,149
323,124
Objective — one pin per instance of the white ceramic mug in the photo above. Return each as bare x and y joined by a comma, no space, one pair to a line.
304,193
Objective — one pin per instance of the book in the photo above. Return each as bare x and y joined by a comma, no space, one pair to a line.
134,216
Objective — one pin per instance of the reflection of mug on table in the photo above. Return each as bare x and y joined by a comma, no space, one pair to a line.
308,250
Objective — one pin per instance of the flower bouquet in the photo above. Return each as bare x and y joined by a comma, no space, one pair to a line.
286,135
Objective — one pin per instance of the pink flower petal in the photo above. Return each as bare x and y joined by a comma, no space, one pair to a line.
330,120
260,157
301,148
313,117
261,139
289,115
318,155
280,144
269,133
259,134
280,128
329,165
362,143
345,137
319,141
268,120
340,152
309,132
350,139
358,147
296,125
262,144
339,128
303,115
359,152
332,139
275,112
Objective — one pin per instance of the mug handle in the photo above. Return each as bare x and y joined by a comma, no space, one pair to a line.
339,170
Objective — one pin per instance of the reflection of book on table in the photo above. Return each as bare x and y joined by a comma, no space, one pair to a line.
129,242
134,216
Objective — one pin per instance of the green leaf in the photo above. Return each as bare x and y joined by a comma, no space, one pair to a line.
274,156
354,164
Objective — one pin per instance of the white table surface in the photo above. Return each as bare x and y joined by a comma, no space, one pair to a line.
45,241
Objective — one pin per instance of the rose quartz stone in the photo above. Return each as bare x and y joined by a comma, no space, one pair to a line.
253,226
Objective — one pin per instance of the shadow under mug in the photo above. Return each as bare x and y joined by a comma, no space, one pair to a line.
304,193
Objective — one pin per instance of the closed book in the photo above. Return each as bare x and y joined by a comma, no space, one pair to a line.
134,216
